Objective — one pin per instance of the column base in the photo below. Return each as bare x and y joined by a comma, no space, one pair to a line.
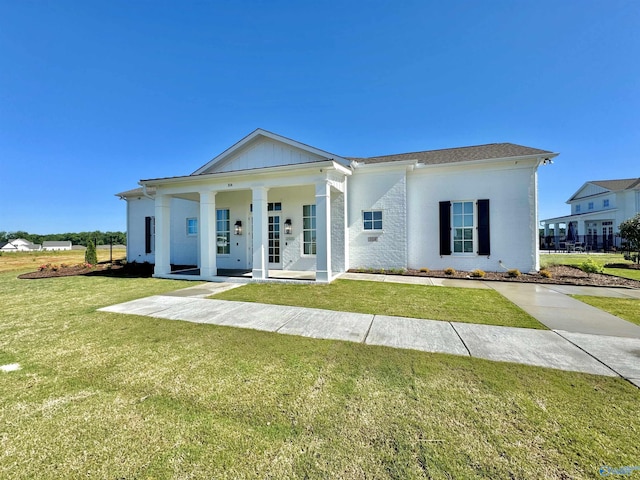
323,276
259,274
161,269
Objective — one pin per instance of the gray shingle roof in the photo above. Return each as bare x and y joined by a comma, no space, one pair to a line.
460,154
137,192
615,185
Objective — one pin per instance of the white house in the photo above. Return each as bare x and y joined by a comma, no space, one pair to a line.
56,245
19,245
597,210
269,204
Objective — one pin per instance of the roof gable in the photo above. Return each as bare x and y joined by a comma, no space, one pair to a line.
262,149
596,187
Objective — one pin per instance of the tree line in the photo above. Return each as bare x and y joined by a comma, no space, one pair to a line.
81,238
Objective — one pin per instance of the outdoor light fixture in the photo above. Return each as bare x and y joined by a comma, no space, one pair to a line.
287,227
238,227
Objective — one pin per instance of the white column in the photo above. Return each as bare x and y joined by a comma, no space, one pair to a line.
581,230
323,232
207,231
260,233
163,236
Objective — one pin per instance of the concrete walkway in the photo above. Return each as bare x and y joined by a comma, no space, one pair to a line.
583,344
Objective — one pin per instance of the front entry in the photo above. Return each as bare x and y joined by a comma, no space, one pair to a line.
275,259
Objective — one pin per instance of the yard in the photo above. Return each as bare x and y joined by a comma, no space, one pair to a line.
103,395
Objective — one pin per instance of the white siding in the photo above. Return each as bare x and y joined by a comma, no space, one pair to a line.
511,197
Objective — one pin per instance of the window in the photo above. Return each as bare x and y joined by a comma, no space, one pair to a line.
590,206
605,203
372,219
309,229
462,219
223,231
192,227
149,234
465,227
578,208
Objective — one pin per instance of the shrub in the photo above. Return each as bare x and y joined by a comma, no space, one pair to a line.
449,271
545,273
424,270
514,273
591,266
90,255
477,273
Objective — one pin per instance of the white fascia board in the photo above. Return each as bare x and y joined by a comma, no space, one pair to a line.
538,158
406,164
291,170
278,138
581,216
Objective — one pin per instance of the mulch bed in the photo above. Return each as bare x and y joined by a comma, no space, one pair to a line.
560,274
116,269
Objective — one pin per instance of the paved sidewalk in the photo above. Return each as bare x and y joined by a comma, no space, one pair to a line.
561,349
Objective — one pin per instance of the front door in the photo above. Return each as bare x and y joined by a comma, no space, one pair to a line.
275,259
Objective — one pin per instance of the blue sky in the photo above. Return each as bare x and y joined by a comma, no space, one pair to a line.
96,95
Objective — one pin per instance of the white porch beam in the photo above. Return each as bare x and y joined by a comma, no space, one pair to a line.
260,233
162,235
208,235
323,232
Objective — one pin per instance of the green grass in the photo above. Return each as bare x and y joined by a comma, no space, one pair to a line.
113,396
627,308
623,272
575,259
415,301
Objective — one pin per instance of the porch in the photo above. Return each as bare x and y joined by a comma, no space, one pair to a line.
244,276
267,226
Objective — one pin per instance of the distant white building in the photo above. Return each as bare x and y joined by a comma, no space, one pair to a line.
597,210
269,203
19,245
59,245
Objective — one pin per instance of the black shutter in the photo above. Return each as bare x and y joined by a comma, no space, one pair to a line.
147,234
484,237
445,228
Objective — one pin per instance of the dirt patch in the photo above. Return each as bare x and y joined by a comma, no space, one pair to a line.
116,269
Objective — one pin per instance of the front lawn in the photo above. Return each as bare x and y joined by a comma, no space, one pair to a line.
633,274
626,308
575,259
416,301
102,395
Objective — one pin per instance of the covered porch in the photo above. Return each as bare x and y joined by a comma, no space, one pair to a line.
580,233
274,224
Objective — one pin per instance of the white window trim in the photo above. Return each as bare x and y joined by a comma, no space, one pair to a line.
195,234
474,230
372,230
225,231
302,243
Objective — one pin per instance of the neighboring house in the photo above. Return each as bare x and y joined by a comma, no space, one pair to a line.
271,203
57,245
597,210
20,245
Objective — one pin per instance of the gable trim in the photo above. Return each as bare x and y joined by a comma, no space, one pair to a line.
278,138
